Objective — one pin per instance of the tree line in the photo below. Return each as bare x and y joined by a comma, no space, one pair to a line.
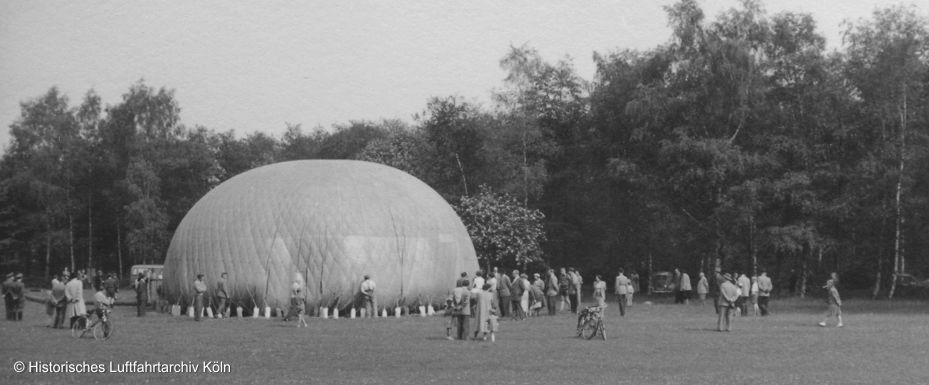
742,143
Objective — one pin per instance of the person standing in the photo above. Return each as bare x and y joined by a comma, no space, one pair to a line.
599,291
485,313
74,294
461,308
141,293
503,291
58,297
297,301
199,290
686,288
621,289
516,296
578,283
526,287
703,287
745,287
754,294
564,282
728,295
98,280
536,295
551,292
676,286
368,300
764,292
222,296
18,296
464,277
7,296
111,285
834,301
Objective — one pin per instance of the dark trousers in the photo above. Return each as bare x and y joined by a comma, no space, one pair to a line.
463,322
622,305
572,298
517,309
198,307
59,316
551,301
18,309
8,306
504,305
141,304
221,309
763,304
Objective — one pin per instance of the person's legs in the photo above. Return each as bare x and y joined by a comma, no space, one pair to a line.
622,306
838,315
552,304
763,304
728,312
221,309
720,314
629,299
198,306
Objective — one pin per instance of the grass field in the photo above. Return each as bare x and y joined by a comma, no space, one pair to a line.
882,343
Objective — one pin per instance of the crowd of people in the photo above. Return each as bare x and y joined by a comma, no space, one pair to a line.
484,298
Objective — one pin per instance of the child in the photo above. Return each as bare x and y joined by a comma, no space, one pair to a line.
835,303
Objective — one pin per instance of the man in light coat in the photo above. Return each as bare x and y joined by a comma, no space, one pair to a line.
551,292
686,288
74,294
621,290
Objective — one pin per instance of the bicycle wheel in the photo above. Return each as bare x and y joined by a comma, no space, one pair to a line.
590,328
103,330
77,328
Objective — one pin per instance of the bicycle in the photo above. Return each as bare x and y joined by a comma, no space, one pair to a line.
590,323
101,328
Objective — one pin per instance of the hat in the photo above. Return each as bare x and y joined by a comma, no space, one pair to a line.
19,275
727,276
536,275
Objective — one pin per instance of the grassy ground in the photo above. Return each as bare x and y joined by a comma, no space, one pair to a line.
882,342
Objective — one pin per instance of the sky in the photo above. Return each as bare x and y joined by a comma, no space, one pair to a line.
260,65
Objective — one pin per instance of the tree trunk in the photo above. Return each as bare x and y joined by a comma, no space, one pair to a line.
71,239
90,232
803,275
899,262
48,249
751,245
119,249
464,180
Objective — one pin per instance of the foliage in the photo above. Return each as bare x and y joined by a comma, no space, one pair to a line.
504,232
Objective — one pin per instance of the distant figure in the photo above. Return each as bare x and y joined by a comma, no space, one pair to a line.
703,287
753,292
111,285
492,281
222,295
141,293
599,291
8,296
676,286
578,283
834,301
74,294
503,292
58,296
745,287
636,286
464,277
461,308
551,292
728,295
199,290
686,288
298,302
18,297
563,283
573,289
516,296
485,314
526,287
764,292
536,295
477,284
98,280
368,300
622,289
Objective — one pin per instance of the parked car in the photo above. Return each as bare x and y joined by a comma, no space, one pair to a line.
662,282
909,285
